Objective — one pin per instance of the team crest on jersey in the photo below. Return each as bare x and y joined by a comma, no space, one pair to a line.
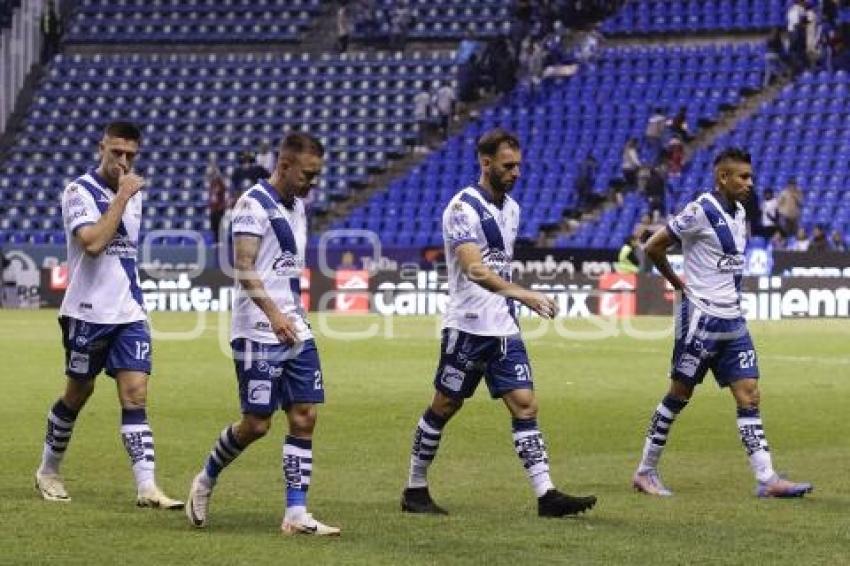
287,263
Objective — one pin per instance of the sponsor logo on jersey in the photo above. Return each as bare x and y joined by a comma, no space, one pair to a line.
287,264
731,263
77,214
86,306
259,392
244,220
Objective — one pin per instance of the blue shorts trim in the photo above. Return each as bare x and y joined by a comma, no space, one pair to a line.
465,358
90,347
276,376
705,342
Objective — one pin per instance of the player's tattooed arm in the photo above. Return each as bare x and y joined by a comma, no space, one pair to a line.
246,249
95,237
472,264
656,250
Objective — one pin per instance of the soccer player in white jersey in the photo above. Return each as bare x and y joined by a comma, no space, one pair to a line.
103,320
277,364
711,332
480,331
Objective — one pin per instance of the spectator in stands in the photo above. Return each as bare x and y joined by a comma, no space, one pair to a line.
422,115
778,241
628,258
801,241
678,125
836,240
443,107
797,33
247,173
769,214
656,192
813,35
830,10
654,133
521,26
400,20
674,156
789,207
266,157
775,58
217,196
585,182
631,163
51,32
753,212
343,26
818,242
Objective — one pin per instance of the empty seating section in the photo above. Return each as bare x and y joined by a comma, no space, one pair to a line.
192,106
804,134
594,112
191,21
439,19
688,16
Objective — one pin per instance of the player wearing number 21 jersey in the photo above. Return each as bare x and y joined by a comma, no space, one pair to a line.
480,331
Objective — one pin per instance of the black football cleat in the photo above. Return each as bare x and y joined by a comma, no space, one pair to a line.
418,500
556,504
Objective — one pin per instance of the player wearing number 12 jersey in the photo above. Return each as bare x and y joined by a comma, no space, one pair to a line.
103,320
480,330
711,332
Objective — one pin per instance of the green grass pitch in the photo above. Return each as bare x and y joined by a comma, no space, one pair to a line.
596,396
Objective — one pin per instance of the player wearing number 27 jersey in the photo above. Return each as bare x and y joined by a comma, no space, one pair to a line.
711,332
480,330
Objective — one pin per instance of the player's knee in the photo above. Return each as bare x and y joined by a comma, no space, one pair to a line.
252,428
302,420
446,406
526,409
77,393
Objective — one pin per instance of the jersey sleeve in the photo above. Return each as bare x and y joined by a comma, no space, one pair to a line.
460,224
687,223
78,208
249,218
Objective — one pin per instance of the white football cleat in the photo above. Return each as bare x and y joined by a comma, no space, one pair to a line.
649,482
51,487
153,497
198,502
307,525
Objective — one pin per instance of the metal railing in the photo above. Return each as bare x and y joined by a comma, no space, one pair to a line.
20,49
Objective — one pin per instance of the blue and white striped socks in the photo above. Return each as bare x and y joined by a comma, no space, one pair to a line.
225,450
138,441
752,437
426,441
297,471
531,449
60,425
659,429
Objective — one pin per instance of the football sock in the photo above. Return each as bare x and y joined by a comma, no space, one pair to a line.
138,441
225,450
529,446
426,441
659,428
752,437
60,425
297,470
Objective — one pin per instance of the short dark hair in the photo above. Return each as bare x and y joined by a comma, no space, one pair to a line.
124,130
299,142
733,154
489,142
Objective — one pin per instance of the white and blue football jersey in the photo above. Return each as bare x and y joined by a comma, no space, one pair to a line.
471,217
102,289
280,261
713,238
